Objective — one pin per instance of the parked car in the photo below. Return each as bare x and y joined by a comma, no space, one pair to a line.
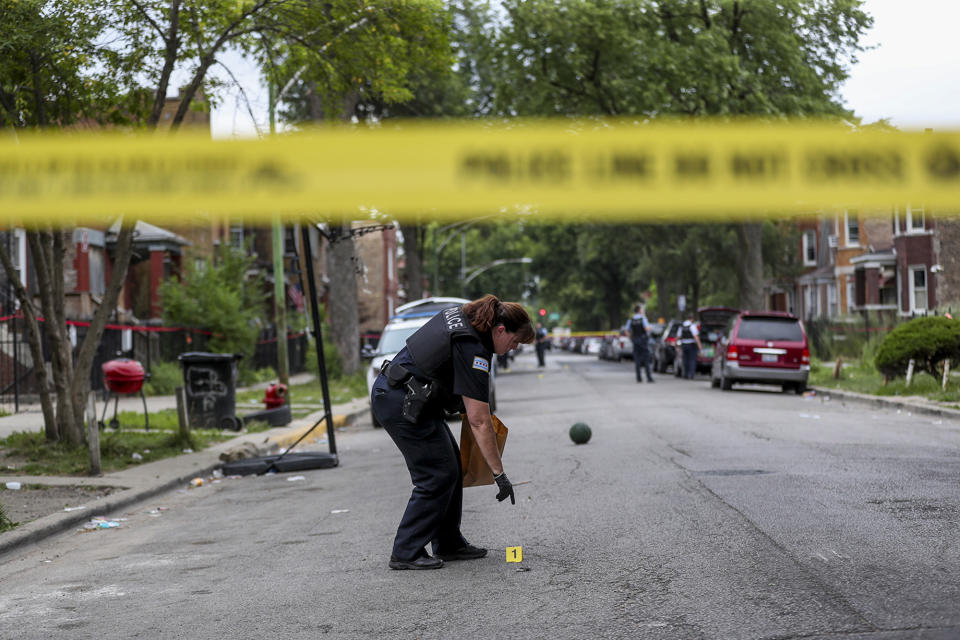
712,322
665,348
591,345
616,347
766,347
407,319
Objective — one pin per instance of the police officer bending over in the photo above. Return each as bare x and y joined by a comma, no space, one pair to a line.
444,367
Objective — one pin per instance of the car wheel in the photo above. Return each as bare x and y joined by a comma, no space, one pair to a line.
799,388
725,383
714,382
373,418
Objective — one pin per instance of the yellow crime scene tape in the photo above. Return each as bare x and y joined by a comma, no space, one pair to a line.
559,169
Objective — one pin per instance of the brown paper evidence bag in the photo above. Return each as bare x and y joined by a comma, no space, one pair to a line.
475,470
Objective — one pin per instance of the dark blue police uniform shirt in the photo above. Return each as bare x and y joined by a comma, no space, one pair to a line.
467,373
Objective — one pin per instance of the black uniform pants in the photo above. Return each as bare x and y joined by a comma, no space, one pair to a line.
641,360
433,459
541,349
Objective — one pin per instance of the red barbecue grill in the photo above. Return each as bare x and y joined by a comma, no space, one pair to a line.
123,376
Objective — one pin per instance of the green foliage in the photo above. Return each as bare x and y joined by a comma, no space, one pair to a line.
247,376
928,341
53,71
330,356
6,524
165,377
689,57
357,58
221,298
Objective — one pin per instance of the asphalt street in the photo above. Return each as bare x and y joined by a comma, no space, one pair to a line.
691,513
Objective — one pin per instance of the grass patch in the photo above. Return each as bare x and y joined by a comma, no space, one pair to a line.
33,455
862,378
342,389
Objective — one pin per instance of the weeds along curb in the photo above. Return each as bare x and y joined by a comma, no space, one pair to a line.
887,402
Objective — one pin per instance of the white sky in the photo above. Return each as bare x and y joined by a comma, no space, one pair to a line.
912,76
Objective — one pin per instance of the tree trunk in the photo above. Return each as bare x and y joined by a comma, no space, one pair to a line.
45,259
750,264
342,301
80,385
36,346
413,255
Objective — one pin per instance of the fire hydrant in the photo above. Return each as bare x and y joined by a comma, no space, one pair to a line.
275,396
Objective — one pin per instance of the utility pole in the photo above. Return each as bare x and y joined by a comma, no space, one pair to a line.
279,281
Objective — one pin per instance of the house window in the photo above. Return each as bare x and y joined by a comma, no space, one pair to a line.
236,237
809,243
852,292
916,220
97,274
918,289
831,300
852,224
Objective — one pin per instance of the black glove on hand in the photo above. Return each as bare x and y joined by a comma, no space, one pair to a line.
506,489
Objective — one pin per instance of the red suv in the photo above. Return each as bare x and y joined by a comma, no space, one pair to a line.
767,347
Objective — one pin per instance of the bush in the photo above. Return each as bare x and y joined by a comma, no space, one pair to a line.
928,341
220,298
165,377
330,356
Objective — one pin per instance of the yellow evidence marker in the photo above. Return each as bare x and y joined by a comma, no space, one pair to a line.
514,554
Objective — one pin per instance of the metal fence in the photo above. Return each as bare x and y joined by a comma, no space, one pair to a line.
148,345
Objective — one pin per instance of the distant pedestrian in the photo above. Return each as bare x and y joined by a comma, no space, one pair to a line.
541,344
639,329
689,338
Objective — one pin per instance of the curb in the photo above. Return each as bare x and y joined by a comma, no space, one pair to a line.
54,523
888,403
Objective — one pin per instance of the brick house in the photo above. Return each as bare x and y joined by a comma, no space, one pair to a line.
901,261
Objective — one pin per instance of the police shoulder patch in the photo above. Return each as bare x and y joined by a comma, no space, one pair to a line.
482,364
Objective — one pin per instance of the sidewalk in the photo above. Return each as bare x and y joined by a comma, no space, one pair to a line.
144,481
30,417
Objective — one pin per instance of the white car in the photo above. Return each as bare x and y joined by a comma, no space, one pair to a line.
408,318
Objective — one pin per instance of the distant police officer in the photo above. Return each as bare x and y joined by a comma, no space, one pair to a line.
445,366
639,329
689,338
541,344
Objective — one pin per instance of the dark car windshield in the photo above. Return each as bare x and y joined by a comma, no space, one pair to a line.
778,329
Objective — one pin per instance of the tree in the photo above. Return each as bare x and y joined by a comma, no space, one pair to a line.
690,58
352,61
52,76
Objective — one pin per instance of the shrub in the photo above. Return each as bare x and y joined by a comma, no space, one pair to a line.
928,341
165,377
221,298
330,356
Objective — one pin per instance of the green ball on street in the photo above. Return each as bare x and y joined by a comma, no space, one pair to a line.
580,433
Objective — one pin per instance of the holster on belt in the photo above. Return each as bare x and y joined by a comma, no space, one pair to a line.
418,393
